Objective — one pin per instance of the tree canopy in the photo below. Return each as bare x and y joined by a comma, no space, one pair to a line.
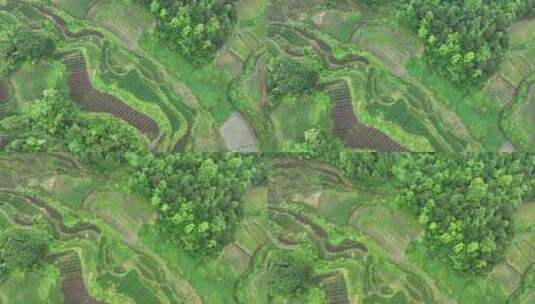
466,203
196,29
290,77
288,275
53,123
21,248
198,196
22,44
465,39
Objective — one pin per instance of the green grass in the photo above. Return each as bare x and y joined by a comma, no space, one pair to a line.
479,114
398,298
293,117
400,114
76,8
525,118
73,190
338,209
343,24
255,201
31,80
131,286
208,84
134,83
213,284
466,289
41,285
4,222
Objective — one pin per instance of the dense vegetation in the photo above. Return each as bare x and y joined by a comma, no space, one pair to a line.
196,29
288,275
53,123
198,196
319,145
290,77
22,44
467,203
21,248
465,39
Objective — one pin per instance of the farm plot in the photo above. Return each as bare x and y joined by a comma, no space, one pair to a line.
92,100
133,81
393,46
132,286
356,266
40,285
5,105
293,39
125,213
77,8
31,206
117,18
4,92
346,125
335,288
524,117
73,285
91,35
394,232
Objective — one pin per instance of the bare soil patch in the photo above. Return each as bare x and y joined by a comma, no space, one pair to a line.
238,135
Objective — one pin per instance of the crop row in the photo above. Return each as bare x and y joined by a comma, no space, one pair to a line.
92,100
350,129
335,289
73,285
4,92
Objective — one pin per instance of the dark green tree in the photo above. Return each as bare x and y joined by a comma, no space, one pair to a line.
198,196
288,275
31,45
196,29
290,77
22,44
466,203
53,123
465,39
21,248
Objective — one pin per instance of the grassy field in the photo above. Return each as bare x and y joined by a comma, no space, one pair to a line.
38,286
32,79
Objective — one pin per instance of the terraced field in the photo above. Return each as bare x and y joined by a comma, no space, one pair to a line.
104,255
368,248
82,93
382,97
370,89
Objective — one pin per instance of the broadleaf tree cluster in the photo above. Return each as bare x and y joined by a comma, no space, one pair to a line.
466,203
288,274
195,28
19,44
319,145
53,123
465,40
198,196
21,248
290,77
